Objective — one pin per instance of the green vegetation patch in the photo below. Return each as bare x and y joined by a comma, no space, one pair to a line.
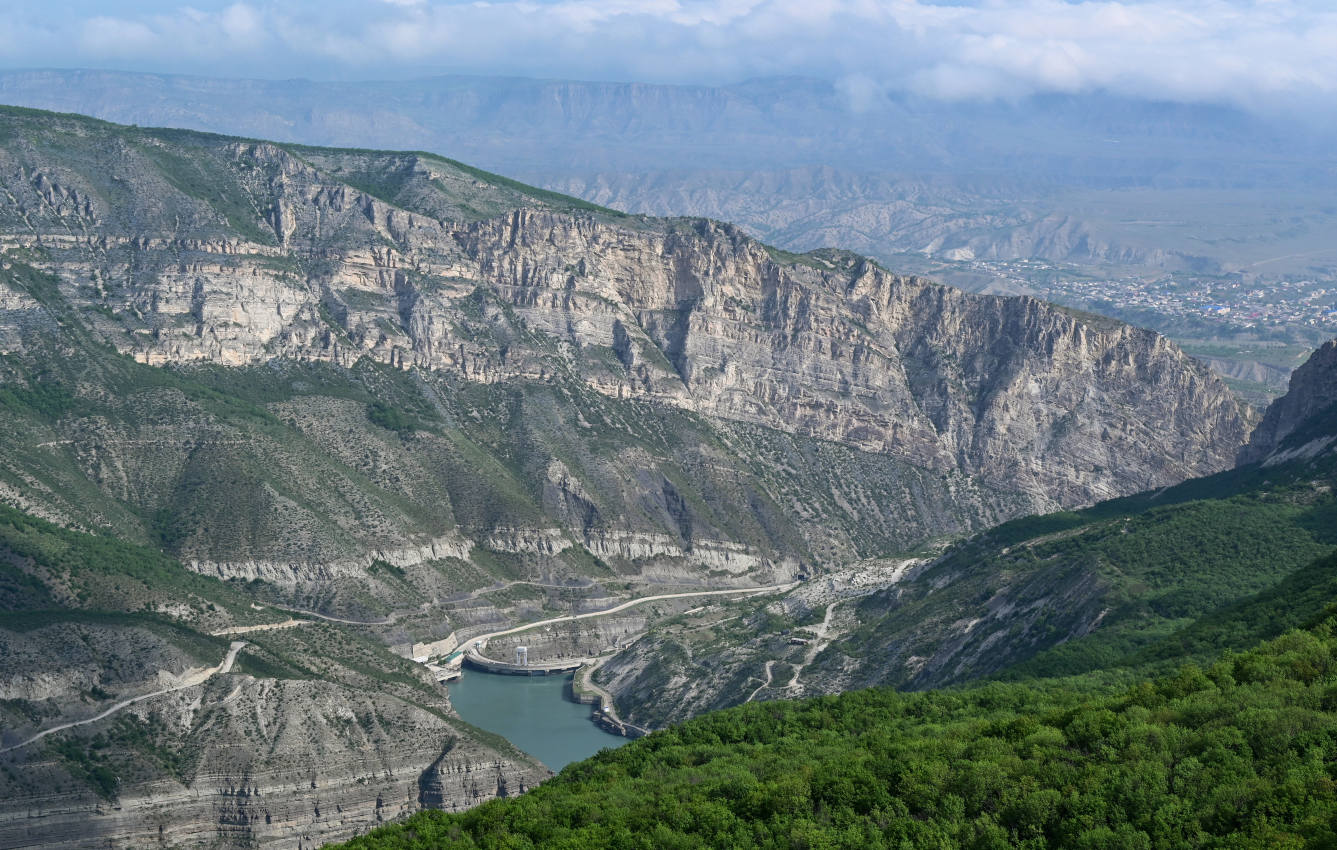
391,418
197,172
1240,754
99,571
1077,592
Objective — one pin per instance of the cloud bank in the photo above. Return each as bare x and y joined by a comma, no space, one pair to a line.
1254,53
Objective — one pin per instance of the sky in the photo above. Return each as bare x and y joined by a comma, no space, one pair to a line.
1260,54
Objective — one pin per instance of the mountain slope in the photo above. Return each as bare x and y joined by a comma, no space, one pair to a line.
933,411
1110,588
1238,754
314,732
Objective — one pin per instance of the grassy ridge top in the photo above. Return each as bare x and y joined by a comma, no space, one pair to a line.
206,184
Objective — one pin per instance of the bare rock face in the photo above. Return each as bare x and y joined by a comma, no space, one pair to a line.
1013,390
1313,389
300,797
687,313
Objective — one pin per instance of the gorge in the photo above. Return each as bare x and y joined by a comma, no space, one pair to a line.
244,380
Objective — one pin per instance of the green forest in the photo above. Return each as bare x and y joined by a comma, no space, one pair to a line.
1240,753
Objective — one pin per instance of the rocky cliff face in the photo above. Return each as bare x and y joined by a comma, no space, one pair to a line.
1313,390
431,266
165,746
278,764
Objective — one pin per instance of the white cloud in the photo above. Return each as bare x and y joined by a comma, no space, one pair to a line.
240,22
1241,51
115,36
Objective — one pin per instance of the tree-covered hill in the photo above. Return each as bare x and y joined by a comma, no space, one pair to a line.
1242,753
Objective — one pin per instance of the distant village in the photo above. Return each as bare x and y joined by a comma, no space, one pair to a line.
1237,302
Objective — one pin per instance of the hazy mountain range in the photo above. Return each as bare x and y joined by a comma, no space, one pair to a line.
803,163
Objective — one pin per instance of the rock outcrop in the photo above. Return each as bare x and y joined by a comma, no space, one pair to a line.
237,760
302,782
1313,390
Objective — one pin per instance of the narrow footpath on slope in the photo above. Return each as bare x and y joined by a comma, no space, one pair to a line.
190,681
387,621
819,643
764,685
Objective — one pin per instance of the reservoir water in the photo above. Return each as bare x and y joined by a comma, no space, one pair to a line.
533,713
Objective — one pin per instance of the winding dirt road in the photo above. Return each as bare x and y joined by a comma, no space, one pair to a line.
483,639
189,682
819,643
262,627
764,685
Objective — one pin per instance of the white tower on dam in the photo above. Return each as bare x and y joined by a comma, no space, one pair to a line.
522,656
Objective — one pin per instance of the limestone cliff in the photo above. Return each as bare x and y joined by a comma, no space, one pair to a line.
278,764
1313,389
182,248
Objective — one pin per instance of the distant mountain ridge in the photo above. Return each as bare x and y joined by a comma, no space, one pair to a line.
519,124
803,164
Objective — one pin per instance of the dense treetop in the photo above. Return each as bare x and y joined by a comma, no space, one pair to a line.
1242,753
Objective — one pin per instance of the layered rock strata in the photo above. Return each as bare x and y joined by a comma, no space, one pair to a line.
691,314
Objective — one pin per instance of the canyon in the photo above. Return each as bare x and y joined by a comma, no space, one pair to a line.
421,400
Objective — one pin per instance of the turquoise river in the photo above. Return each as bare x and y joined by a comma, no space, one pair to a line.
533,713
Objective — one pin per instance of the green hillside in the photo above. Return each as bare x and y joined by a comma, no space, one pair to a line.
1238,754
1074,592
